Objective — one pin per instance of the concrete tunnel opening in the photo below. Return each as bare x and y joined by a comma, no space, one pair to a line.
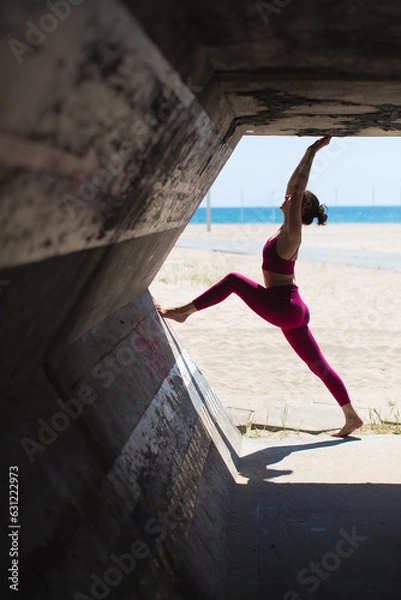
126,479
362,203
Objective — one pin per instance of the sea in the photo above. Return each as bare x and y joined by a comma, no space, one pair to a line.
272,214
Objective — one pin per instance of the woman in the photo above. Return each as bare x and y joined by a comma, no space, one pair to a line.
279,302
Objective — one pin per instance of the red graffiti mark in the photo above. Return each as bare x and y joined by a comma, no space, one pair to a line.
148,346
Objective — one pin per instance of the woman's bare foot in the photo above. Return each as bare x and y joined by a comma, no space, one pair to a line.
179,314
349,427
352,422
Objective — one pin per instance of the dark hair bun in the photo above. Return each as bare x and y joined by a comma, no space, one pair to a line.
312,209
321,215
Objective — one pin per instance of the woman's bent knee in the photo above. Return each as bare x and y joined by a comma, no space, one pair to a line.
233,280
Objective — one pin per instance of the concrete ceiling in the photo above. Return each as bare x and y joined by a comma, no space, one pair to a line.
287,67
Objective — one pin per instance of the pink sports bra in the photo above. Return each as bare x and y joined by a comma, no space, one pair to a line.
273,262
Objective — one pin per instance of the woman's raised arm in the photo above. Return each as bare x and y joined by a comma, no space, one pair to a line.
297,184
303,165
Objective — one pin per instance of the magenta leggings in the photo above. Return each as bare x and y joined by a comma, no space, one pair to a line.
281,306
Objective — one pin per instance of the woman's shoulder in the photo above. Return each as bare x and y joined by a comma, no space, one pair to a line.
288,244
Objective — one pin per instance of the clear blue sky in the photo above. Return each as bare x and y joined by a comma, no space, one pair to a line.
262,165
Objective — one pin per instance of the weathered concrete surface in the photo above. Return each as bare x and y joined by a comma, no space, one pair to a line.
289,68
296,498
115,119
75,292
107,143
122,449
108,146
101,167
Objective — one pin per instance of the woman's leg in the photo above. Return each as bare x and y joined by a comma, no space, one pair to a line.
278,306
264,303
305,345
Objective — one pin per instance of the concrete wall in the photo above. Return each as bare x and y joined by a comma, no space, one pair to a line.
115,119
119,442
101,167
126,467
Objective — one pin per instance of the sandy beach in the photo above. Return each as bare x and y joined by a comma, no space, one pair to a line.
355,317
